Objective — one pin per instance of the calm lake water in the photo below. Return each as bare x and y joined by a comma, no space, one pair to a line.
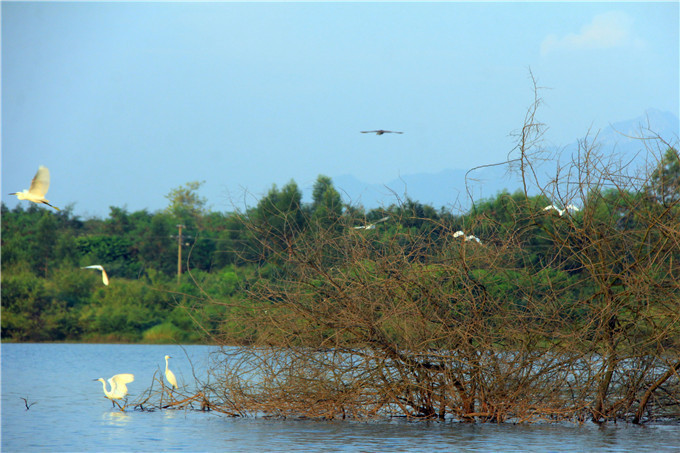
71,414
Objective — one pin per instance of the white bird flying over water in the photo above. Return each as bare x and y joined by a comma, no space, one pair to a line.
118,387
105,278
169,375
39,186
380,132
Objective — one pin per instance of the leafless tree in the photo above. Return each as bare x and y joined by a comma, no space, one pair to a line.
551,316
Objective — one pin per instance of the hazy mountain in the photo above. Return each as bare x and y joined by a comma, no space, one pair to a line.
448,187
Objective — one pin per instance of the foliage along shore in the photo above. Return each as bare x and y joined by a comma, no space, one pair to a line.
46,296
520,309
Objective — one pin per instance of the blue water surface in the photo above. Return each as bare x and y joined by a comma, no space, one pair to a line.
69,413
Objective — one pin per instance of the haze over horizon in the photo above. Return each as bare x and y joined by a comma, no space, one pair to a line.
125,101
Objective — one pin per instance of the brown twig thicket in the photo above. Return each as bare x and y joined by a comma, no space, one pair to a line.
572,316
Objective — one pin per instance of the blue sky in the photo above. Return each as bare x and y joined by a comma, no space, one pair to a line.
125,101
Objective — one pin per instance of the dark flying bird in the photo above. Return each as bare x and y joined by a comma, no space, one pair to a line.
380,132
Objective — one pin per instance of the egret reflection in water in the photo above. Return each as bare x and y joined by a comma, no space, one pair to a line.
117,418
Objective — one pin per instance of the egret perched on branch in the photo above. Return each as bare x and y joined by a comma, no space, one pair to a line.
570,208
105,278
380,132
371,226
118,387
470,237
169,375
39,186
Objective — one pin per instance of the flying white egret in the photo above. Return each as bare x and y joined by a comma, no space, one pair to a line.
554,208
470,237
118,387
371,226
380,132
105,278
169,375
569,208
39,186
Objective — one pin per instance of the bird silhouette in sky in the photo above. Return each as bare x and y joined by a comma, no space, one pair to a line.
380,132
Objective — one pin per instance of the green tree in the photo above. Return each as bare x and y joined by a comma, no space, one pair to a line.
156,248
326,201
664,184
186,206
278,219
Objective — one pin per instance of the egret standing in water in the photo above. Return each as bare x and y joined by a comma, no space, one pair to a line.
39,186
169,375
118,387
105,278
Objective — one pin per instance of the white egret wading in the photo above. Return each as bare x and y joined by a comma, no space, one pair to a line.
169,375
118,386
105,278
39,186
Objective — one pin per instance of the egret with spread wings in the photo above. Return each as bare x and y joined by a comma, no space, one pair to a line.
105,278
39,186
118,386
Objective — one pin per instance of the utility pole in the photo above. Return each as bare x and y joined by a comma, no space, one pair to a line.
179,252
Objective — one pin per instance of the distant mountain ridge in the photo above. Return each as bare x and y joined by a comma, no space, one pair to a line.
447,188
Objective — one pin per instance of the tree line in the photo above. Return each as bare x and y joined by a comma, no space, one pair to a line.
511,309
565,313
47,297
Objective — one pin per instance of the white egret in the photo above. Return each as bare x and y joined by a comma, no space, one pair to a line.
554,208
169,375
470,237
105,278
380,132
569,208
371,226
118,387
39,186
